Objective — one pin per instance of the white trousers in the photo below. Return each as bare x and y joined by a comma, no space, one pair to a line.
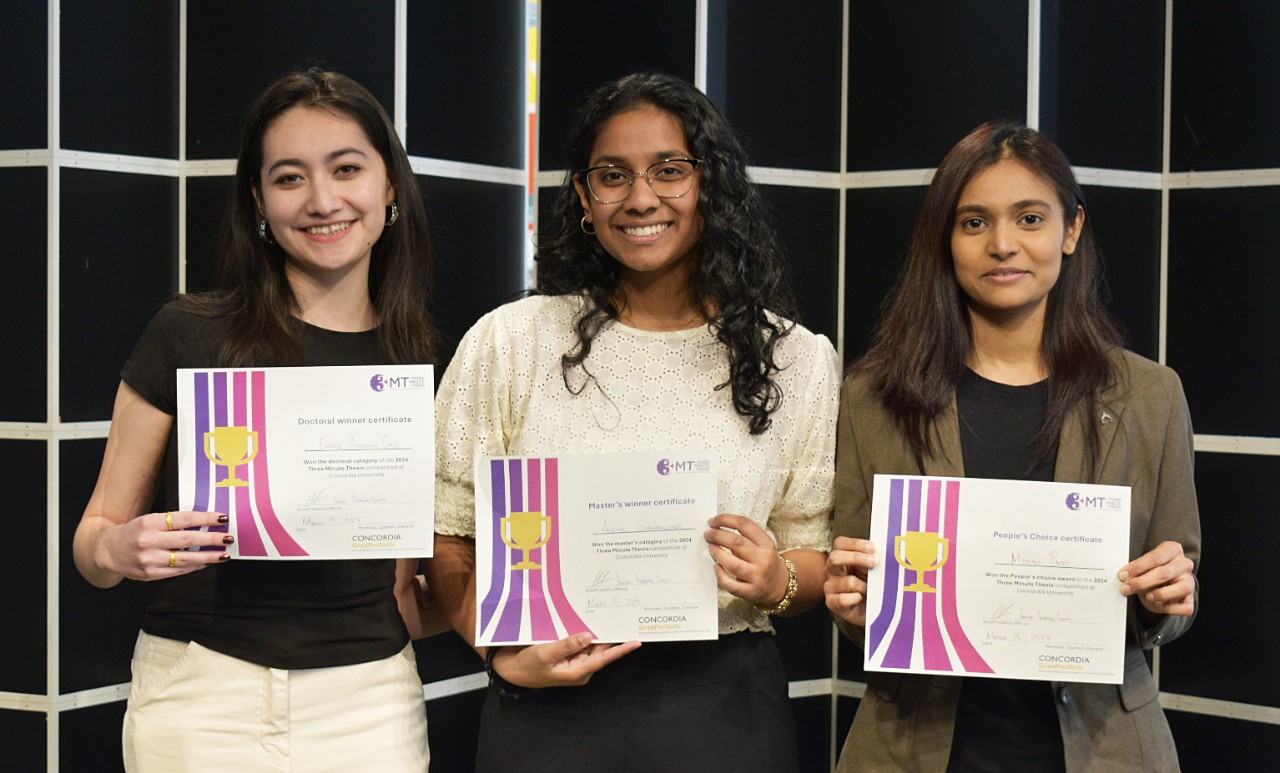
193,709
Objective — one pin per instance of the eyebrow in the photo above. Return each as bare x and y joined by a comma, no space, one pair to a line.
330,158
661,155
1024,204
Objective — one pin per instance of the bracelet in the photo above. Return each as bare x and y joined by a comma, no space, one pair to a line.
505,689
792,586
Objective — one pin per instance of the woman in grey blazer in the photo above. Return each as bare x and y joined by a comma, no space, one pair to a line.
997,359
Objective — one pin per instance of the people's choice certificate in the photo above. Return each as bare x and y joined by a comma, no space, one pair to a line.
309,463
606,543
997,578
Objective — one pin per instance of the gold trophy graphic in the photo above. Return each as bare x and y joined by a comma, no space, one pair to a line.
921,551
229,447
526,531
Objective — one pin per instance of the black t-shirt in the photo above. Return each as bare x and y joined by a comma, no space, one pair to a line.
280,614
1004,724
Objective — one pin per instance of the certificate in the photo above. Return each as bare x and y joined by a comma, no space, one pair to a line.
606,543
310,463
997,578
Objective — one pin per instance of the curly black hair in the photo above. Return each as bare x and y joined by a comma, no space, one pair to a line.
740,269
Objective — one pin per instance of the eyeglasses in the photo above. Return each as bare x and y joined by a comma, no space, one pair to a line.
670,179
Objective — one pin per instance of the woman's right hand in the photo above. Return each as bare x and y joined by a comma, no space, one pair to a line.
846,584
146,548
571,661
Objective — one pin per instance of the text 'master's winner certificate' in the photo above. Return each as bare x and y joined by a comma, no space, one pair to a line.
997,578
606,543
311,463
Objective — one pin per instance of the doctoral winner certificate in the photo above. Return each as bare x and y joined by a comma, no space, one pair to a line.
310,463
997,578
606,543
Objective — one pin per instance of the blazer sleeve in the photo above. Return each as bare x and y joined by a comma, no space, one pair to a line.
1175,514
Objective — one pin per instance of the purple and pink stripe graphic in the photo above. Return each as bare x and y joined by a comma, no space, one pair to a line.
533,595
238,399
929,506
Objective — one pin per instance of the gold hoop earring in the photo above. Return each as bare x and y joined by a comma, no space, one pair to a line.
264,231
395,214
583,223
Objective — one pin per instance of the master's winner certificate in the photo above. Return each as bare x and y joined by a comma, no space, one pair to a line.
606,543
310,463
997,578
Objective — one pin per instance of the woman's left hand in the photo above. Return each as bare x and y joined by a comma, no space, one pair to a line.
1162,580
747,563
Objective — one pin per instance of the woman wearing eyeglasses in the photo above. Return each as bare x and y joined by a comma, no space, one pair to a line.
660,321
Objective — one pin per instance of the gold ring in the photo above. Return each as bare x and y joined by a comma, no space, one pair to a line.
168,520
173,558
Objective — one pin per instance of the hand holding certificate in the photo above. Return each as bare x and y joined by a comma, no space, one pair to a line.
998,578
610,544
323,462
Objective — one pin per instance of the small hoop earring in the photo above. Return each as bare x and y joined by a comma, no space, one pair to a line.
583,223
395,214
264,231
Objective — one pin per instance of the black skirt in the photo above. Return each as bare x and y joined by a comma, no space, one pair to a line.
681,706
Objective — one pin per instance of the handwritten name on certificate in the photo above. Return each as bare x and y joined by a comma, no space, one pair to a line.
606,543
310,463
997,578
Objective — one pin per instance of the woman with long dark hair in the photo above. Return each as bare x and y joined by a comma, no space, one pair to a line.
661,318
997,359
266,665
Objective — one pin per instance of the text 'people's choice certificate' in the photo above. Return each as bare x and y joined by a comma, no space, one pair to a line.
309,463
997,578
606,543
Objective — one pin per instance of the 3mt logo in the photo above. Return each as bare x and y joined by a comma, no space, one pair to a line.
1073,501
378,383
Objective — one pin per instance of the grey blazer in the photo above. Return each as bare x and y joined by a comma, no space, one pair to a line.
905,722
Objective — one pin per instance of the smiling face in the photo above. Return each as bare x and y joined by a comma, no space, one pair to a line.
652,238
1010,234
324,190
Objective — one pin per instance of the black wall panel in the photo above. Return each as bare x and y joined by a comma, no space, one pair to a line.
1102,81
466,83
24,200
119,242
1226,107
586,43
126,102
808,223
1224,268
813,731
476,235
89,739
24,60
23,568
767,65
98,626
26,736
207,201
923,74
444,657
1127,225
878,230
1229,653
845,710
236,47
453,731
1208,744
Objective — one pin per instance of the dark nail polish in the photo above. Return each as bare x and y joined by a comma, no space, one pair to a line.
227,540
224,557
224,519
